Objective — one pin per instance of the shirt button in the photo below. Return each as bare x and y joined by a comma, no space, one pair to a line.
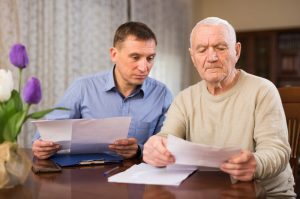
290,179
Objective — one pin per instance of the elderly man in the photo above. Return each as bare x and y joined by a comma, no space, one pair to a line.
126,90
229,107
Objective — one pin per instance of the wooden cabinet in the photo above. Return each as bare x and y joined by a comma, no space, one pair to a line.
273,54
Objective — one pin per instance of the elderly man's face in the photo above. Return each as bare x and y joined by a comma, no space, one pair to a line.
213,53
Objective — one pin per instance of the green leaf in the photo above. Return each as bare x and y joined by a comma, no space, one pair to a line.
8,110
17,100
40,114
13,126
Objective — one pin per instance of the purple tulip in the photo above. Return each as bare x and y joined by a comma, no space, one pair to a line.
32,92
18,56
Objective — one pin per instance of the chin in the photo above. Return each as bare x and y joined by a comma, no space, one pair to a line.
138,81
214,78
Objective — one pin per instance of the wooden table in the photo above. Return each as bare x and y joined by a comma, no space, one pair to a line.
89,182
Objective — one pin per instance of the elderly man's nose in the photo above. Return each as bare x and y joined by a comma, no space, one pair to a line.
213,57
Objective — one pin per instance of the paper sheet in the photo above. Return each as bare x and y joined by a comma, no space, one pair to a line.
189,153
147,174
189,157
84,135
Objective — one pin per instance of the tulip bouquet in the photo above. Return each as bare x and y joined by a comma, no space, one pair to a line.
14,111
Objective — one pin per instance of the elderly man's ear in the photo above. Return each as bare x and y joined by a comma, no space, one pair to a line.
238,48
192,57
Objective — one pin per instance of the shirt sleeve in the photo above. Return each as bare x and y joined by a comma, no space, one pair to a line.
176,120
72,101
165,108
272,149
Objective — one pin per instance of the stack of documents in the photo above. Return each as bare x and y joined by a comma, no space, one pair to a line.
84,141
147,174
84,135
188,158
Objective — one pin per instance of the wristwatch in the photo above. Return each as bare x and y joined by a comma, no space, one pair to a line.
139,152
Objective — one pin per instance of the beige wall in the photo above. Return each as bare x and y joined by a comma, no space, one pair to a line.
250,14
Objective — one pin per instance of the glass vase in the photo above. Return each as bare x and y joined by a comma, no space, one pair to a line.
15,165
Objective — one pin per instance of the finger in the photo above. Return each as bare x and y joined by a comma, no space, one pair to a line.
161,147
230,166
46,152
156,153
158,162
122,147
247,177
158,159
46,156
128,141
244,156
126,154
125,151
46,148
42,143
240,172
43,155
243,175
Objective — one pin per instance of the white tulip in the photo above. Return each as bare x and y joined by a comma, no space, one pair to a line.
6,84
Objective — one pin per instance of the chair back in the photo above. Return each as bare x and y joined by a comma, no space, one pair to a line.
290,97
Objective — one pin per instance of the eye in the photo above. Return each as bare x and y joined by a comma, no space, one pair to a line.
135,57
151,58
221,48
201,50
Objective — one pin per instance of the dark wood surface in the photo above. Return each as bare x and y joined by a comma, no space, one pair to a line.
90,182
290,97
272,54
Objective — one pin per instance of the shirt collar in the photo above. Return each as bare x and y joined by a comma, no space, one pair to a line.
110,84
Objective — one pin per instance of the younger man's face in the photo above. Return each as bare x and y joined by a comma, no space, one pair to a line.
134,59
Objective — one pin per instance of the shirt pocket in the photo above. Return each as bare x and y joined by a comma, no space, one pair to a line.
142,131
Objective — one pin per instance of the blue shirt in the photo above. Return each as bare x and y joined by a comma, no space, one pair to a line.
96,96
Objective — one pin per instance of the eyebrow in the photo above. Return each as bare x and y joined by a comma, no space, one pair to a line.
134,54
205,46
201,46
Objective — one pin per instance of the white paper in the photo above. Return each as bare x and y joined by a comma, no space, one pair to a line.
84,135
189,153
58,131
147,174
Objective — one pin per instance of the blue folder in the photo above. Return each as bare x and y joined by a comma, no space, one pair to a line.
65,160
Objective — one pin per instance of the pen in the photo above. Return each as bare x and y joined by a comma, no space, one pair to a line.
111,170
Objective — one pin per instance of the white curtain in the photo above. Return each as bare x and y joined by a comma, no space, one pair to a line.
171,22
67,39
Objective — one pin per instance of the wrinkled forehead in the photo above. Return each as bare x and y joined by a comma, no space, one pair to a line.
207,34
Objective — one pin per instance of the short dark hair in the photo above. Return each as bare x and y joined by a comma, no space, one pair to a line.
139,30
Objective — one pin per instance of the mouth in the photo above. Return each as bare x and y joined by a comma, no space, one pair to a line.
213,68
140,76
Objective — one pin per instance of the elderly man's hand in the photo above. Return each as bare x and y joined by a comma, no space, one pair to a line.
44,149
241,167
125,147
156,153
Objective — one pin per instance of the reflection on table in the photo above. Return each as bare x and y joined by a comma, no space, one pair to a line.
89,182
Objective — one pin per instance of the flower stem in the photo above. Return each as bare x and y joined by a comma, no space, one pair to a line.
21,121
27,107
20,79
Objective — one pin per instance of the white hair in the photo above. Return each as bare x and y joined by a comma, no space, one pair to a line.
215,21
